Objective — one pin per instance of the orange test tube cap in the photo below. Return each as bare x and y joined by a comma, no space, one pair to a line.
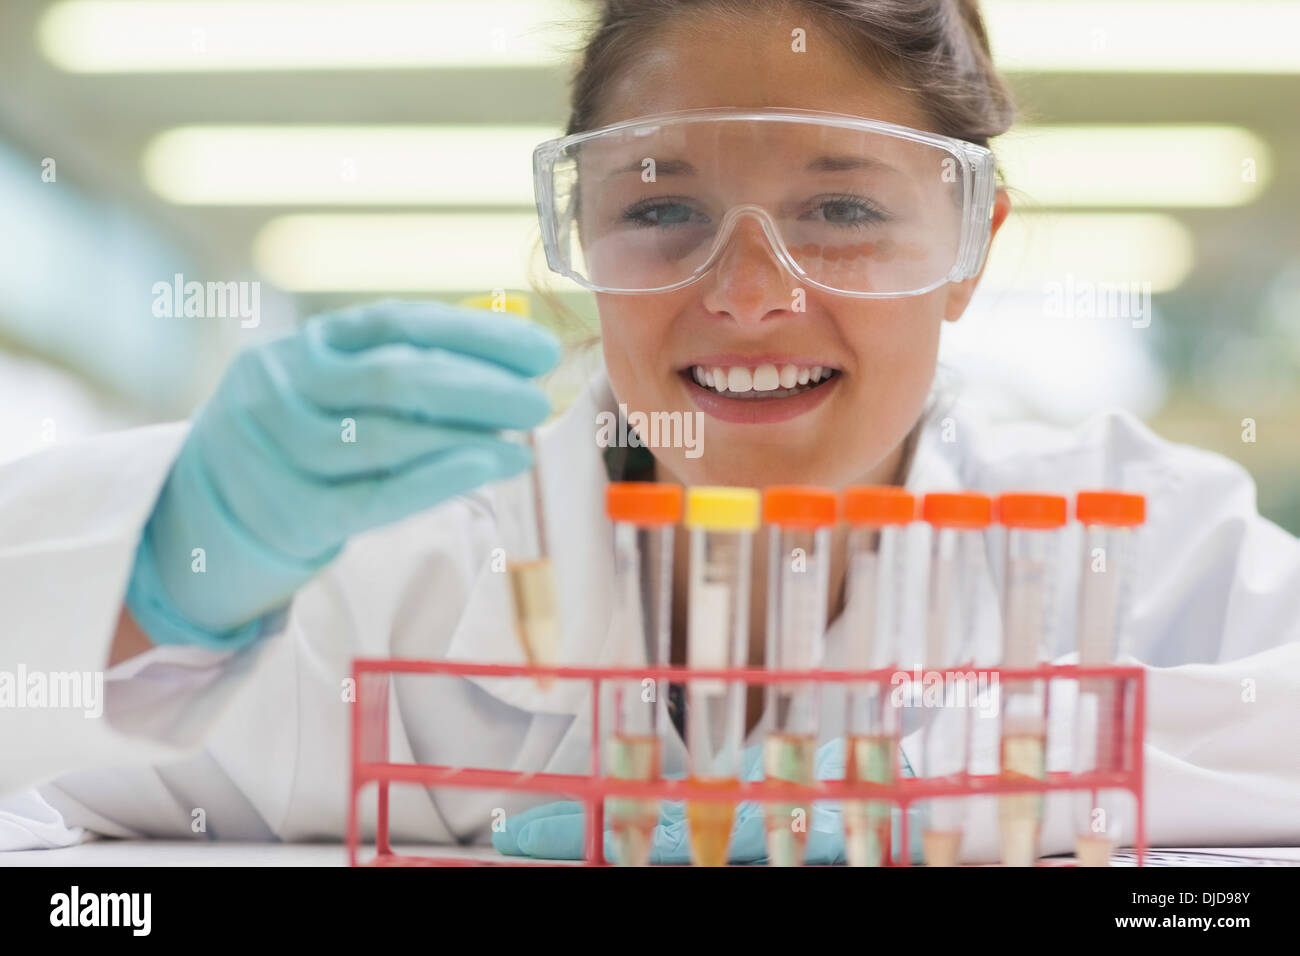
1115,508
643,502
957,509
1031,510
799,506
879,505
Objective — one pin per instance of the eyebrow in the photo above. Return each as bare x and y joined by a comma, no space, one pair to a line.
839,164
822,164
667,167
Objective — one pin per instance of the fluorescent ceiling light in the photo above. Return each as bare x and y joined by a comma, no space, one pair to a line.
1042,252
134,36
344,165
1085,165
1161,165
397,253
1145,36
141,36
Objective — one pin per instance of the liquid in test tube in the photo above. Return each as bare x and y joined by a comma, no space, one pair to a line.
874,574
722,522
532,584
958,523
1110,520
643,515
799,523
528,565
1033,523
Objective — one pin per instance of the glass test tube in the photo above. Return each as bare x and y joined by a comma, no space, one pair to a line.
643,515
874,576
532,585
528,565
1033,523
799,521
958,525
1110,521
722,522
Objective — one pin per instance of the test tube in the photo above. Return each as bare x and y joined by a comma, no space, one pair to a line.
1110,521
874,573
528,565
958,522
643,515
722,522
799,521
532,584
1033,523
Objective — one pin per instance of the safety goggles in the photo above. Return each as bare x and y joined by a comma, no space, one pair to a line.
848,205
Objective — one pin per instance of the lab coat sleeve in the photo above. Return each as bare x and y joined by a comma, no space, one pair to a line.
1216,616
70,521
28,822
1223,753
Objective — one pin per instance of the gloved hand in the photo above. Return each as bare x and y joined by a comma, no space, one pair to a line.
555,831
362,417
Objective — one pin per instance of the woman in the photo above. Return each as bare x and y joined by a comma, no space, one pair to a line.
335,497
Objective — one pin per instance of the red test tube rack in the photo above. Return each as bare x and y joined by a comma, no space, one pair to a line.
371,764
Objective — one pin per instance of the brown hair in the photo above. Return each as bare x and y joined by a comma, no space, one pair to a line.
937,50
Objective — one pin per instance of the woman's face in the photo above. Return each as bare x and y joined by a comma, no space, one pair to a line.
741,315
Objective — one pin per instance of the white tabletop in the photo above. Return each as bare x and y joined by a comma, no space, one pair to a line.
185,853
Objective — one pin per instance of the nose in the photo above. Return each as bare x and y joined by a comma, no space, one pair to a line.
748,281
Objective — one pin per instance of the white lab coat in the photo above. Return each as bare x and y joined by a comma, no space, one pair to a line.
258,741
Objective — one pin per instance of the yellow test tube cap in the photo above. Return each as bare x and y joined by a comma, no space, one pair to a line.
722,509
516,302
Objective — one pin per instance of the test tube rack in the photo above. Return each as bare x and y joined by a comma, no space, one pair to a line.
371,762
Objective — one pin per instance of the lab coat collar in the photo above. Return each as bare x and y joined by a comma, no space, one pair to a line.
934,465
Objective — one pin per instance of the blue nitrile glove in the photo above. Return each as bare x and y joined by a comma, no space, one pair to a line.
825,830
555,831
362,417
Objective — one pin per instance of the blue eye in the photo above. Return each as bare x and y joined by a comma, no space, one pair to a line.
848,211
660,213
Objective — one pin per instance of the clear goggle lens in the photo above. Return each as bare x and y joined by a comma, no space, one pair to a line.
652,206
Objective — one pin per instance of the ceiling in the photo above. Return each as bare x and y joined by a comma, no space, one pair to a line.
98,125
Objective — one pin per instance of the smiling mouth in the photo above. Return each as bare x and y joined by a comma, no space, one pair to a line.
759,382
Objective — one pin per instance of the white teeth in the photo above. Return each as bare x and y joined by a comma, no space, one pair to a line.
739,379
766,378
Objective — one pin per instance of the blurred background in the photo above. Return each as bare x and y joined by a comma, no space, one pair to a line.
313,153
